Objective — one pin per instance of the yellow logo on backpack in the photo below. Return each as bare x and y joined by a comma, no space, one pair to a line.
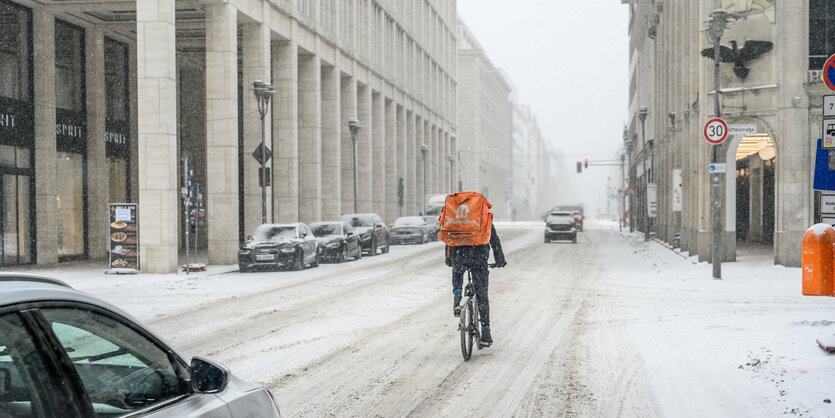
465,219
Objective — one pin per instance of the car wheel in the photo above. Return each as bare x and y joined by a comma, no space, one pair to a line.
243,269
359,253
423,239
315,262
299,264
547,240
386,248
574,240
343,255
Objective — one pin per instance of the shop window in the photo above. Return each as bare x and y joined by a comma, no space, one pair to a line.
70,204
69,67
14,52
821,32
115,80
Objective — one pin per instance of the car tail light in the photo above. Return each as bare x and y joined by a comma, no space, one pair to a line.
579,218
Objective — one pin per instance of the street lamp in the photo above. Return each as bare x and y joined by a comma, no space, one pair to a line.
451,173
263,93
715,27
642,116
424,150
354,125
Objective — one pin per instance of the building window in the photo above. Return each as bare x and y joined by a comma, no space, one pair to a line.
15,70
117,129
821,32
70,204
69,67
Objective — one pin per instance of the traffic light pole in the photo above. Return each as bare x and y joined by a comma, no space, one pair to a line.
716,251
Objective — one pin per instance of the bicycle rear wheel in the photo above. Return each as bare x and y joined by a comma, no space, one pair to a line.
465,327
476,323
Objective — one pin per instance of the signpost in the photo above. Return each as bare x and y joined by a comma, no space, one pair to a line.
652,200
720,168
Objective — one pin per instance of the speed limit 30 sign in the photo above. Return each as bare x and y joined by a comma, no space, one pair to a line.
716,130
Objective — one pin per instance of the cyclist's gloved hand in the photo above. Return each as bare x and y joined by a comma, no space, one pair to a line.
500,263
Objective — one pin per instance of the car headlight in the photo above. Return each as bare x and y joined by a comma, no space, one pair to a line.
288,250
333,245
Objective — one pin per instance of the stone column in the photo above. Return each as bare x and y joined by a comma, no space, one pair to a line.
157,135
255,41
365,149
43,43
310,138
384,180
349,110
286,132
97,172
331,144
222,133
410,163
392,152
400,151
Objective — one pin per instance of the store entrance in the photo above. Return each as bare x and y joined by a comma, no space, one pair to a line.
15,209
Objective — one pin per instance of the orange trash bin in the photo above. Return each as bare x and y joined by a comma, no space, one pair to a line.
817,260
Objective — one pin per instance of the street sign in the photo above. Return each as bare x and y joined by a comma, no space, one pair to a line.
828,133
829,105
716,130
717,168
262,154
742,129
827,204
828,73
652,200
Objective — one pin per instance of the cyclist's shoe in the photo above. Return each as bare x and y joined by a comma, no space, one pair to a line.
486,339
456,309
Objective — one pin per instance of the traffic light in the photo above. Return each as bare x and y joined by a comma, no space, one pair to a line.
579,167
586,162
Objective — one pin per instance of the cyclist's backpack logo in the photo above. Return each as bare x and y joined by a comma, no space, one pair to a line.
462,212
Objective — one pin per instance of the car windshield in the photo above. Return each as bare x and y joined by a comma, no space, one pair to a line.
273,232
410,221
430,220
322,230
359,220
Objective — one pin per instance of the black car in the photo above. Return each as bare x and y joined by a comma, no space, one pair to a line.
433,223
371,230
290,246
560,225
337,241
411,230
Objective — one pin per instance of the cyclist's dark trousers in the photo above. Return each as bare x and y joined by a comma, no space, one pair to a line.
480,281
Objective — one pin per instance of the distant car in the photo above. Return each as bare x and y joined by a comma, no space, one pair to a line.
578,220
578,213
65,353
337,241
433,223
560,226
372,231
290,246
410,230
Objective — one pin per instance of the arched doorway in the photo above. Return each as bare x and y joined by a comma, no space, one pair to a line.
750,186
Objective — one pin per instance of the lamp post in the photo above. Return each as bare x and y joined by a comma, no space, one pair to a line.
627,142
354,125
715,27
642,116
424,150
451,173
263,93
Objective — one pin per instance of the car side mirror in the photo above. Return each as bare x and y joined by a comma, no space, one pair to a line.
208,376
249,237
350,234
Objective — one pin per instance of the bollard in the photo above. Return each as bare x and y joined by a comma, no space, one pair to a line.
817,260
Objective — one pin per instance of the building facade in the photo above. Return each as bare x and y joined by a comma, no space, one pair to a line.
772,103
485,121
100,100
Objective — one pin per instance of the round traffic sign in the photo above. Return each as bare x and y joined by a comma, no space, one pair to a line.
716,130
828,73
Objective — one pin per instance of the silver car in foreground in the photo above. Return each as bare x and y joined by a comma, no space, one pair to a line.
65,353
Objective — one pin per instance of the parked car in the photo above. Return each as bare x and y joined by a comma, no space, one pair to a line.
337,241
65,353
411,230
432,221
279,245
372,231
560,225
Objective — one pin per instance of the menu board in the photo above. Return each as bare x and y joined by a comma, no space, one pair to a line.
123,237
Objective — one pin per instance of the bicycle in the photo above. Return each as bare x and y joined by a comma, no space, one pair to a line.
469,322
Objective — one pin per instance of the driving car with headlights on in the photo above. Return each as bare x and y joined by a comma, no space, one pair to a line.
560,226
65,353
290,246
337,241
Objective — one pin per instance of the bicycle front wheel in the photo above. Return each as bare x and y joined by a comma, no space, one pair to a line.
465,325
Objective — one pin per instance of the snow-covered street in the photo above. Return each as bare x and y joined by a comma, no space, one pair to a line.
610,326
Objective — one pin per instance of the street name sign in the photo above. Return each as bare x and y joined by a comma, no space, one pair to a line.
720,168
827,204
716,130
742,129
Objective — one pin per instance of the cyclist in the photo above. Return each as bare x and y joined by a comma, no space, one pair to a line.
474,258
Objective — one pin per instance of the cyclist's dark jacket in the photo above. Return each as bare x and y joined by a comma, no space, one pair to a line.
476,255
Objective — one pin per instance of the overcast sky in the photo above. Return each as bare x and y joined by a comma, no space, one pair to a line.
569,60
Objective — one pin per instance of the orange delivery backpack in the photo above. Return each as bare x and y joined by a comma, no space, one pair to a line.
465,219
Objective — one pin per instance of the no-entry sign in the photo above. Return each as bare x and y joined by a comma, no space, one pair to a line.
828,73
716,130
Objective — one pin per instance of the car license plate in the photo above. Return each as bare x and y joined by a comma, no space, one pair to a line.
264,257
